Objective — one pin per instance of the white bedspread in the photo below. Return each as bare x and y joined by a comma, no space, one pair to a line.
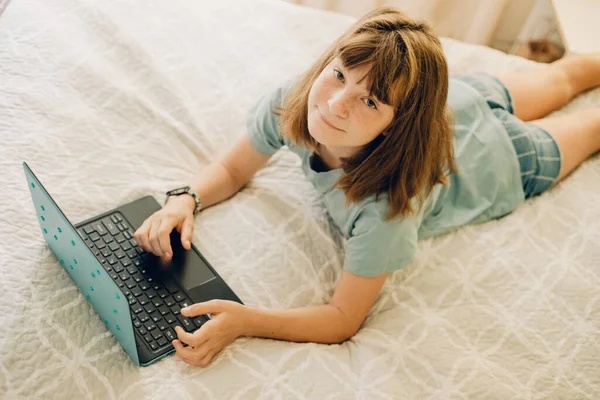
112,100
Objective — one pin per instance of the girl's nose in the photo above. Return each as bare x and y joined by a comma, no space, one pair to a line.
338,104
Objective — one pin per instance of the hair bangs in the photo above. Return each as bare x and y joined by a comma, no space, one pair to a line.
386,54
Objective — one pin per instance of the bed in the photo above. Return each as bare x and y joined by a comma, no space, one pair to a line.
113,100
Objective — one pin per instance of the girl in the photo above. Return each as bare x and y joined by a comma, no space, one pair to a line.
400,151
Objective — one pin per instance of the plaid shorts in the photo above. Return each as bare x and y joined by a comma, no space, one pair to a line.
537,151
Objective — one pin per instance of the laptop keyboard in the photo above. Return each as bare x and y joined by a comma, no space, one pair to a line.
154,304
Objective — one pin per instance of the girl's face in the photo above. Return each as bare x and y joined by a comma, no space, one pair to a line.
341,114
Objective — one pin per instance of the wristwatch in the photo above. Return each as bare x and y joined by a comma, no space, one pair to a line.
184,190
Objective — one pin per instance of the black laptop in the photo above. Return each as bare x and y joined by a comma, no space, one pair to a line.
136,295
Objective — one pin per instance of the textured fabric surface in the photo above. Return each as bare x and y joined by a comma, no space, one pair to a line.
109,101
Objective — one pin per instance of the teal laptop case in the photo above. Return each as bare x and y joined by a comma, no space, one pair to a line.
82,266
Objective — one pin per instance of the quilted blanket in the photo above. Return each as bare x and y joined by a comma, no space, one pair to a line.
110,100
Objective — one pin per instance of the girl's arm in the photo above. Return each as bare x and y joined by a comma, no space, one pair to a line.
331,323
223,177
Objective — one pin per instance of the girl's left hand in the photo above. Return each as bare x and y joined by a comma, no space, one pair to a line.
227,322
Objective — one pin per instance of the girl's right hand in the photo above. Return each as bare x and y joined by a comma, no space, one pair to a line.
154,234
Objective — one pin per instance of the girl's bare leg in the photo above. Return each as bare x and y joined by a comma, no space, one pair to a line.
540,91
577,135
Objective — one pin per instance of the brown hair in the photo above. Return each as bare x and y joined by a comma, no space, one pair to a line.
410,73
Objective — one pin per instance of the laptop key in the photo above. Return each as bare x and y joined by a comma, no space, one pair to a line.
162,293
137,292
99,227
137,308
162,341
137,323
170,334
119,238
157,334
179,297
111,260
149,308
131,284
150,325
110,226
163,310
94,237
186,323
88,229
120,254
114,219
143,317
156,302
170,318
169,301
108,239
113,246
153,345
171,286
131,254
143,300
155,317
142,330
148,338
162,325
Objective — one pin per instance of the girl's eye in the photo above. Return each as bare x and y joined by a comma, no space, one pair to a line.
338,74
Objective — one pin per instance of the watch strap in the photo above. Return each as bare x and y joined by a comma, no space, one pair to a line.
185,190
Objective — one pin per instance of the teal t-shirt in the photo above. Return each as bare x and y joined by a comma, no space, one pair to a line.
488,185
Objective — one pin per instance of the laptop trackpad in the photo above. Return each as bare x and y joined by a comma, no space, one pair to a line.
186,266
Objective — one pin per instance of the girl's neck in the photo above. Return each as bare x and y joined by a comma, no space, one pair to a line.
328,158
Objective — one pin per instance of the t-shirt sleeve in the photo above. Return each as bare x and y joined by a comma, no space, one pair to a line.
376,246
262,124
